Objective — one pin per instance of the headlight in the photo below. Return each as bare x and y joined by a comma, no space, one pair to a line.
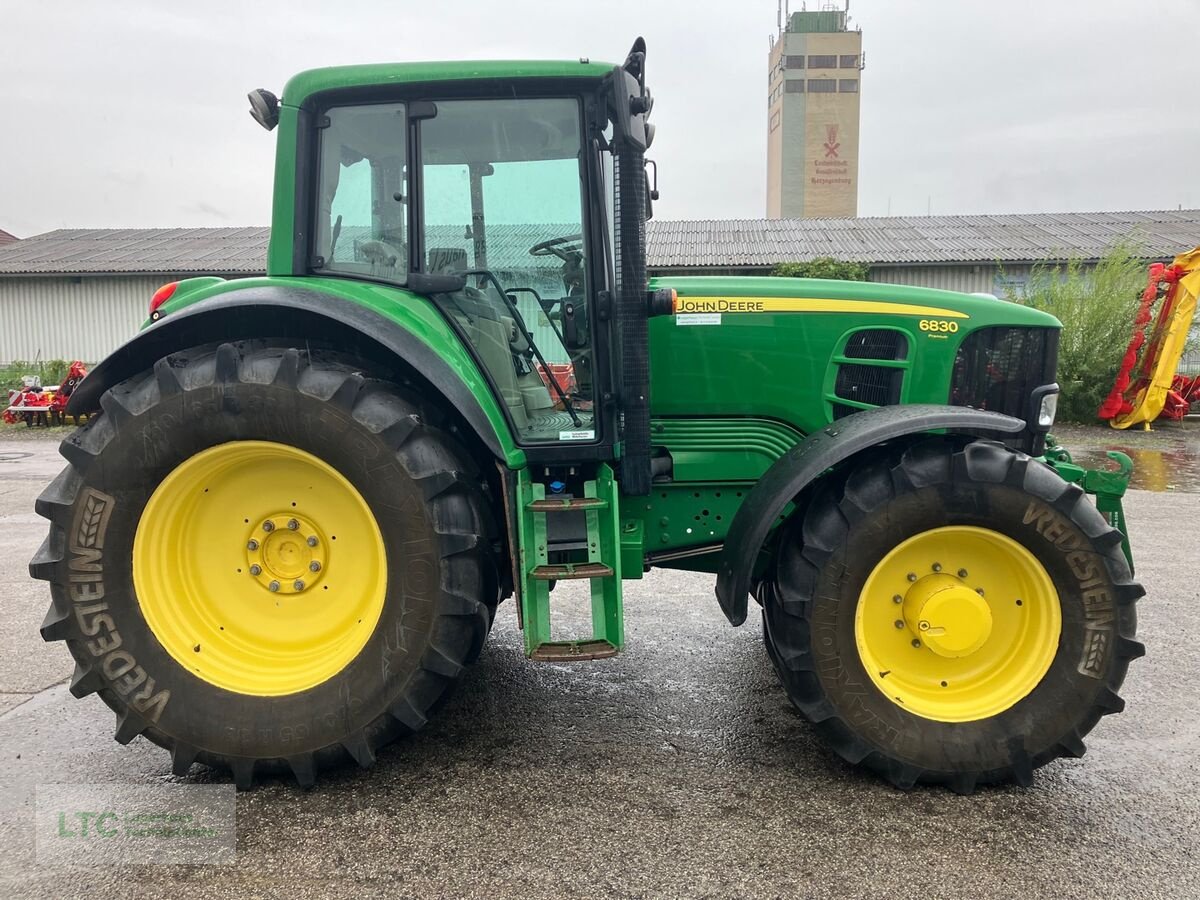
1047,410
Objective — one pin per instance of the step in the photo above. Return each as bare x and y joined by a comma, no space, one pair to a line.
592,531
567,504
568,571
573,651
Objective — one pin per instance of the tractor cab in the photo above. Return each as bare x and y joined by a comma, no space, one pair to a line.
493,197
500,201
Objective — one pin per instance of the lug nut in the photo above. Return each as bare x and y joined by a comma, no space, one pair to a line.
268,526
916,643
273,586
962,573
899,623
937,567
314,566
979,591
912,576
293,524
896,598
252,545
312,540
256,569
298,584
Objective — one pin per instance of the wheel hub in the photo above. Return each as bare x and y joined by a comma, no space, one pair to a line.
235,570
288,551
948,616
957,623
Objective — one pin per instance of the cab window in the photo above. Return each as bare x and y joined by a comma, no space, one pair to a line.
362,193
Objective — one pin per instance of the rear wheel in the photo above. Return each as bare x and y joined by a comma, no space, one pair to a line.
951,614
261,559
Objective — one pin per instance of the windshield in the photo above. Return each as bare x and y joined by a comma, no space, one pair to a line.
502,202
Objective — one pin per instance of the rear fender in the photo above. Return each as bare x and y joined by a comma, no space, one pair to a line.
308,316
805,463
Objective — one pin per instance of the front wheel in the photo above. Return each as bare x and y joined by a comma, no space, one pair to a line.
951,614
261,559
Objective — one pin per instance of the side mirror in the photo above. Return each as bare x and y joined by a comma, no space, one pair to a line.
264,108
631,99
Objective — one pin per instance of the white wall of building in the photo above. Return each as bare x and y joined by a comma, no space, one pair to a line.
969,279
71,318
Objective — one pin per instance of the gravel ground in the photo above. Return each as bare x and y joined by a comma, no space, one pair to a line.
676,769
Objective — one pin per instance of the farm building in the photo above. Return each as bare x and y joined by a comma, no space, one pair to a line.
79,293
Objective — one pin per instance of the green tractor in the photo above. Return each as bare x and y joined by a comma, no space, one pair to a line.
286,527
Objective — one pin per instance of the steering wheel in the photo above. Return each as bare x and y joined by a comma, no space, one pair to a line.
553,247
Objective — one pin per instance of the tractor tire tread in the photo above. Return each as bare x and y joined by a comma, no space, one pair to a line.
822,525
391,412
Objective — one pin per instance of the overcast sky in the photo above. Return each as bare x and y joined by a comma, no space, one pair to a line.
132,112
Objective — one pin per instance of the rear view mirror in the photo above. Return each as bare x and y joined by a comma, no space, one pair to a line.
264,108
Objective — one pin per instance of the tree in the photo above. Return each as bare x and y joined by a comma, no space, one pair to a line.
823,267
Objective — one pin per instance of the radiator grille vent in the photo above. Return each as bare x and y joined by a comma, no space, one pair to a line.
877,343
997,368
877,385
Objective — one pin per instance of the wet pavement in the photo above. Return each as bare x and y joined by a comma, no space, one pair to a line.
676,769
1167,458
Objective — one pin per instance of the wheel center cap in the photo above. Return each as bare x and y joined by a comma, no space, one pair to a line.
285,554
949,617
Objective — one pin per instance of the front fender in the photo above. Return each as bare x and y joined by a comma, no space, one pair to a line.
307,315
808,460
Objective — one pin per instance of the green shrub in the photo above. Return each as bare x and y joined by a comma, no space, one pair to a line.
823,267
1096,306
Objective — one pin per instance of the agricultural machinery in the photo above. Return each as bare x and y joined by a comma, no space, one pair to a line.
1148,383
34,404
289,528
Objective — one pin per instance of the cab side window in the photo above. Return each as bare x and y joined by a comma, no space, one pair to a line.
362,193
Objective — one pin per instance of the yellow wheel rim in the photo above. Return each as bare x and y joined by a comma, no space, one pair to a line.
259,568
957,624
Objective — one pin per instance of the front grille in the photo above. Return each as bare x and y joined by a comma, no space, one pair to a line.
877,385
876,343
998,368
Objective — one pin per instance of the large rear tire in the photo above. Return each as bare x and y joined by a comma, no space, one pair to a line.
951,614
261,559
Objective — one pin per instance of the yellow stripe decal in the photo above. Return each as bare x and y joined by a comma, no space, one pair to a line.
810,305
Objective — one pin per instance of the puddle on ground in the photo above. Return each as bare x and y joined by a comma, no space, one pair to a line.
1153,470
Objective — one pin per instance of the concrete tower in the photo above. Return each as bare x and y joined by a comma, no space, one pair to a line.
813,91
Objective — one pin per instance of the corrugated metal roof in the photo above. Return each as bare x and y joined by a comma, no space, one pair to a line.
745,243
6,238
227,251
690,244
73,251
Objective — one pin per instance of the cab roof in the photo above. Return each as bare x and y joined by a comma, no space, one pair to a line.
313,81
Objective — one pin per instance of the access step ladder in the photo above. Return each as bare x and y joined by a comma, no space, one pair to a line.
599,563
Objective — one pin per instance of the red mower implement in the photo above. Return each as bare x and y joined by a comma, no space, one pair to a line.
1147,384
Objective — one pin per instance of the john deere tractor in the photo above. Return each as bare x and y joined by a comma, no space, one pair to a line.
286,527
